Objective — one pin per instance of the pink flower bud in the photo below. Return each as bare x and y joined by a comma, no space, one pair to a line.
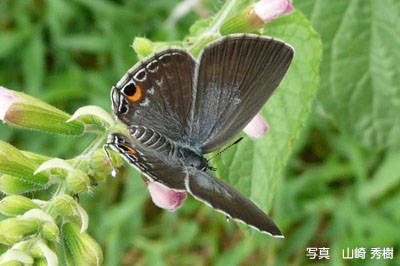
257,127
7,98
24,111
166,198
269,10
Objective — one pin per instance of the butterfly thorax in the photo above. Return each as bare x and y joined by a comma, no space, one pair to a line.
191,158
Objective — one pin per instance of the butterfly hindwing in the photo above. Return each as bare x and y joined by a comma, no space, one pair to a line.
228,200
235,78
157,90
154,163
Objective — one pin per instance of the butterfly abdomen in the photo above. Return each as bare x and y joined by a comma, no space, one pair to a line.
155,141
150,138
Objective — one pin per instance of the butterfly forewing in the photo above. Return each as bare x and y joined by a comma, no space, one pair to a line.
235,78
157,93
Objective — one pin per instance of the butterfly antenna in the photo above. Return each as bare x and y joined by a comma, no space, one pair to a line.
219,153
112,168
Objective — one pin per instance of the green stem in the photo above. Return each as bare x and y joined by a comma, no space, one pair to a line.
224,13
213,31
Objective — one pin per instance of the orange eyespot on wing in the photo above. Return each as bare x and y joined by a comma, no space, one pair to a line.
134,93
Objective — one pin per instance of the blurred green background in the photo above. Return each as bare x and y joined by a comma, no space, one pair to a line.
340,188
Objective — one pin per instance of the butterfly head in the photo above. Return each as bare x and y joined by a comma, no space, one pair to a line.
120,105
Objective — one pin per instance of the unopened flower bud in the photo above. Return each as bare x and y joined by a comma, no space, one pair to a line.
256,16
78,181
16,205
13,230
21,110
65,205
100,163
50,231
97,175
143,47
166,198
80,248
14,185
13,162
268,10
7,98
257,127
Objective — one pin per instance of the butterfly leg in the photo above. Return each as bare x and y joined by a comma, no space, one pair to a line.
207,166
112,168
211,168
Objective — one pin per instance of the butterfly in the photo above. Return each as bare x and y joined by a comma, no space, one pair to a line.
177,109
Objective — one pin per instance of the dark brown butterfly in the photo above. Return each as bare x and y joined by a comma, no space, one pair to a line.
177,109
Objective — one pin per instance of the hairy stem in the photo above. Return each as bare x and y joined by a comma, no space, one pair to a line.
212,33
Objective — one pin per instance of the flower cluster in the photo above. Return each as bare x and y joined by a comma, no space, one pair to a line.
35,226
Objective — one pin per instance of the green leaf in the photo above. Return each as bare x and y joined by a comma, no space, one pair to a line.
254,166
360,76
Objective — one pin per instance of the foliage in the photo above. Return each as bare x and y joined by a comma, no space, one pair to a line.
359,75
